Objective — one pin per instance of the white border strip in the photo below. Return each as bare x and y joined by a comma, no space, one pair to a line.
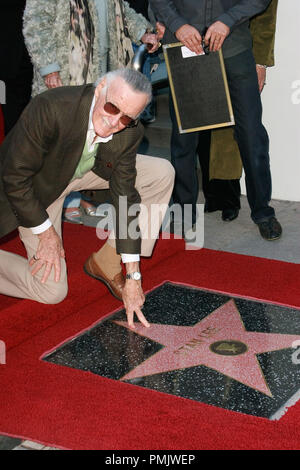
283,410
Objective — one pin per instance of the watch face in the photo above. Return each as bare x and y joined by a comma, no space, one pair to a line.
136,276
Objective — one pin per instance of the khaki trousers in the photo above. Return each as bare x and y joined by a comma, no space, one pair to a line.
154,182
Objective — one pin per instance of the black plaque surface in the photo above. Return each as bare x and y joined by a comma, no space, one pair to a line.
199,90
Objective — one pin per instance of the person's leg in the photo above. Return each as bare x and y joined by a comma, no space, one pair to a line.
148,115
228,193
219,194
16,279
154,182
184,161
73,200
15,273
250,133
74,204
105,264
203,150
71,211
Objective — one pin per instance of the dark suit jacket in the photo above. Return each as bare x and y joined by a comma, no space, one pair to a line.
40,155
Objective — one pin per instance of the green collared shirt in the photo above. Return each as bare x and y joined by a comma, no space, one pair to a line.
89,153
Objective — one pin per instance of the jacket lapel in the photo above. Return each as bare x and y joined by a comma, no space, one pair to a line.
73,145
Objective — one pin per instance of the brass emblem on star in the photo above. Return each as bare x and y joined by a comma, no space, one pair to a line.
228,348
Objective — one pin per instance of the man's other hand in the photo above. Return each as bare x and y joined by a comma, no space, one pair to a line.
134,298
152,42
48,255
261,76
216,35
53,80
190,37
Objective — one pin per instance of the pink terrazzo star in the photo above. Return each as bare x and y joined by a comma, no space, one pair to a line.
219,342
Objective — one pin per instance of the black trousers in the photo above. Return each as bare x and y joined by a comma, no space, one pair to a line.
219,193
250,135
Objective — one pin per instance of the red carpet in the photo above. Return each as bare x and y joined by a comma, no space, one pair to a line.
71,409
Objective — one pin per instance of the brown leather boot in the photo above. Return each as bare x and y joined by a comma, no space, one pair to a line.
115,285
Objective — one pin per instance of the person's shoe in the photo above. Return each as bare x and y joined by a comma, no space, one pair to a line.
188,235
115,285
72,215
270,229
88,208
230,214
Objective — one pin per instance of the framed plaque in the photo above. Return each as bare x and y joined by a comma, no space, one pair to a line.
199,89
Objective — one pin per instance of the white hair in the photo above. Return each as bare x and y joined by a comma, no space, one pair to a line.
136,80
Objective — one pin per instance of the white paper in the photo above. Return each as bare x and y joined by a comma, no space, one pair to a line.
186,53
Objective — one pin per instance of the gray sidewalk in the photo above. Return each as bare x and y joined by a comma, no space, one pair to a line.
242,235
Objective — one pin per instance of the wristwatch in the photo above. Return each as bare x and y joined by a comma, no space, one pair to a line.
136,276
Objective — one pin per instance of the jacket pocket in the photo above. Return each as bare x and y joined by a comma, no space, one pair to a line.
104,169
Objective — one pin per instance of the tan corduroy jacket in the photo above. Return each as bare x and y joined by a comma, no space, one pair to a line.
225,161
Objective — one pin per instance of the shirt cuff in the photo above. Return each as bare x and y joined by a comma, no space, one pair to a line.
51,68
129,258
41,228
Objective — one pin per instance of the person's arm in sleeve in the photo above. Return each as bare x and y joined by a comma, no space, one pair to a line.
39,35
242,11
26,151
234,16
122,184
166,12
137,24
263,28
139,28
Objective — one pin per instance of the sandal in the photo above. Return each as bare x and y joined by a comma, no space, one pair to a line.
72,215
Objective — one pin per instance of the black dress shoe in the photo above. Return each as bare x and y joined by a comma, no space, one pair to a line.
270,229
230,214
